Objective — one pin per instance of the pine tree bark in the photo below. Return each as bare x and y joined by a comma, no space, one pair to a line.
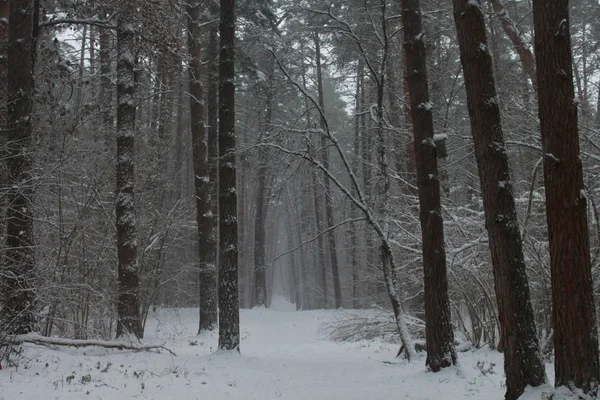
573,313
206,244
213,131
439,334
128,307
229,318
522,363
337,290
18,293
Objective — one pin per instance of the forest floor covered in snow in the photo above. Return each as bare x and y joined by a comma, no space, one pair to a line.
284,355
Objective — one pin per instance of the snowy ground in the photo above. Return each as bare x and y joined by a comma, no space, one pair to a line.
284,356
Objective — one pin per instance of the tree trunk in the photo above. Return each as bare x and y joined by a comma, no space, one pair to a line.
353,211
128,308
206,244
522,363
106,89
229,318
213,132
260,269
337,290
439,335
512,31
575,335
19,295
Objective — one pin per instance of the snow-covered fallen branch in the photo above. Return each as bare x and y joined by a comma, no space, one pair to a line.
51,341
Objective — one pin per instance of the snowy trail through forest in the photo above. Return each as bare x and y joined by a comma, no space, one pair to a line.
285,355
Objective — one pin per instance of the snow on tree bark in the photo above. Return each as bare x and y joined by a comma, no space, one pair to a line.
128,306
573,313
206,243
18,292
229,318
522,363
213,133
439,334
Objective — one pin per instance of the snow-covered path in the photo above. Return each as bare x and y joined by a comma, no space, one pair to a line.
283,356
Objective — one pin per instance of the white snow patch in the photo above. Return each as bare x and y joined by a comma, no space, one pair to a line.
284,355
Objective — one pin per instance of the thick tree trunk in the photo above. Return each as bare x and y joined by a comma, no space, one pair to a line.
128,307
439,335
18,293
575,335
522,363
337,290
206,244
229,318
353,231
213,131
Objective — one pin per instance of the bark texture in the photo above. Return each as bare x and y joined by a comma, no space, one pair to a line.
18,293
128,307
206,243
229,318
522,363
439,334
575,335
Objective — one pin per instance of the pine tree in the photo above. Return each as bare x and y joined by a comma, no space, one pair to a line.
522,363
573,312
229,313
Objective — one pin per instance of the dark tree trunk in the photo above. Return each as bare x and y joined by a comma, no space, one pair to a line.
128,307
320,264
177,189
3,112
353,211
575,335
260,268
213,131
229,317
337,290
522,363
439,335
106,89
206,244
19,296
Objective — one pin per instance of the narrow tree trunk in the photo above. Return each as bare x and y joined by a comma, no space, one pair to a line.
229,318
260,269
128,308
177,189
522,363
575,335
512,31
321,265
106,89
337,290
19,295
439,335
206,244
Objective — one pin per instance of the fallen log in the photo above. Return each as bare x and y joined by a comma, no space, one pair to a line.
52,341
